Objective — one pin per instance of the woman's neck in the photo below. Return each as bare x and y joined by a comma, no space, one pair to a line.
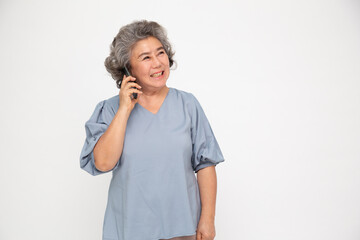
153,97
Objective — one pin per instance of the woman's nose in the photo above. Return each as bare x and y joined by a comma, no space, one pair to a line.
156,62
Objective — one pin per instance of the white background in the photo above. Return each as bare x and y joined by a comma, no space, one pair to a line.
279,82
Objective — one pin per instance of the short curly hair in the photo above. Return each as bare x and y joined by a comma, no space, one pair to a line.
128,36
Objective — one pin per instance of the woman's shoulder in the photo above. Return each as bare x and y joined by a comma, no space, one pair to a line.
113,101
187,99
186,95
110,104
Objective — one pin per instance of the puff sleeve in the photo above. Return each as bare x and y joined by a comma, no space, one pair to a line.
206,150
95,127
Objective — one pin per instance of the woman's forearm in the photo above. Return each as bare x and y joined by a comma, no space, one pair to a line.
207,181
108,149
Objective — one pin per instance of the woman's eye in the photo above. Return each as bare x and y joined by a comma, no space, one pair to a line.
162,52
145,58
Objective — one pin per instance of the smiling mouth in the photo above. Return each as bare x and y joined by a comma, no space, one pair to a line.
157,74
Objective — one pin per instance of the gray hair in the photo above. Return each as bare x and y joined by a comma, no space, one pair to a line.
128,36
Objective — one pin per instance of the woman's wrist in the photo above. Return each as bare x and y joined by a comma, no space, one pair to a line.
207,216
123,111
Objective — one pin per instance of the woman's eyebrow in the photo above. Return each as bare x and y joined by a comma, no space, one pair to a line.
146,53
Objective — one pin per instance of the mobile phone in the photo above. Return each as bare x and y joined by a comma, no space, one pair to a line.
127,73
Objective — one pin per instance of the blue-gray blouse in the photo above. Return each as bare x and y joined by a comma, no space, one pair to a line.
154,192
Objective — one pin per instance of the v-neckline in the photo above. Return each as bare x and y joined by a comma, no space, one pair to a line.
161,106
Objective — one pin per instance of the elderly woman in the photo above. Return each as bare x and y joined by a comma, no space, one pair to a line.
153,138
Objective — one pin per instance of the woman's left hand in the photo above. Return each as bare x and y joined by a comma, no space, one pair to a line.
205,229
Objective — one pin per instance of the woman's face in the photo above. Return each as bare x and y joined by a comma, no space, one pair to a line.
150,64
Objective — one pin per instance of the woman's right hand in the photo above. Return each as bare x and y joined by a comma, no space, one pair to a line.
126,100
109,147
